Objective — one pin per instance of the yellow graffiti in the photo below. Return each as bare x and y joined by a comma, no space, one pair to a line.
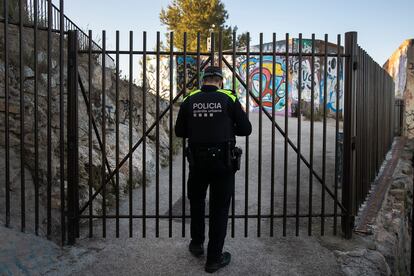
267,65
278,70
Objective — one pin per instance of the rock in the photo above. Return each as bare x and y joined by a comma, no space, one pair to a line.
13,107
28,72
400,176
398,194
398,184
406,168
362,262
52,80
97,78
54,63
42,58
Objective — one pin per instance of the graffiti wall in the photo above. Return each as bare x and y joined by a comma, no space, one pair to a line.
401,67
286,77
190,71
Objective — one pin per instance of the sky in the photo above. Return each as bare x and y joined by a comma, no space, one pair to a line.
382,25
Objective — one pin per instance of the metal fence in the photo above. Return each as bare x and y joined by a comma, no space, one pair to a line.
36,14
368,124
300,190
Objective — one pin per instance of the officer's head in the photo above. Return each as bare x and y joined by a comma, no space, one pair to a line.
213,76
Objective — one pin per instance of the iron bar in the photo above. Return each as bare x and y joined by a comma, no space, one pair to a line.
22,132
246,176
157,143
183,141
285,156
337,90
72,136
298,142
49,119
36,123
131,102
272,169
207,216
170,156
62,125
325,95
220,50
144,141
212,41
198,60
103,156
233,81
259,166
359,121
366,97
312,103
90,70
348,154
225,53
117,134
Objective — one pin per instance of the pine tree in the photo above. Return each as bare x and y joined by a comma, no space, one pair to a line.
193,16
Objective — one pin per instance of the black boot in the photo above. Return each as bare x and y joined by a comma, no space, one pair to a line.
196,249
214,266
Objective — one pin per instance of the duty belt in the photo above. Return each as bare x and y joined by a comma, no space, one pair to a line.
209,152
226,152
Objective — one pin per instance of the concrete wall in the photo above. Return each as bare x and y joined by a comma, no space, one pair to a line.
401,67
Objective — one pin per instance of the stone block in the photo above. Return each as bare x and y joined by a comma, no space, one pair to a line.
398,194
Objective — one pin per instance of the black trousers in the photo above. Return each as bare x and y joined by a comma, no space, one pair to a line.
220,179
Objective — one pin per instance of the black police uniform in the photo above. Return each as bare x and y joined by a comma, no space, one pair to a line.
210,118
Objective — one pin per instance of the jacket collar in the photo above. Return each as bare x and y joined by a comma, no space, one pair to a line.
209,88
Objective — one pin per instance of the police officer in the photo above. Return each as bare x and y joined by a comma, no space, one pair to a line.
211,118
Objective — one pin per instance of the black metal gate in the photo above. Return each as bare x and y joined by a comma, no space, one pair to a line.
227,59
114,123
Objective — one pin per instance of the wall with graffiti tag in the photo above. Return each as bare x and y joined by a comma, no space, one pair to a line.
286,78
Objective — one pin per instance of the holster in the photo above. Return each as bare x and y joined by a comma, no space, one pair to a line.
236,154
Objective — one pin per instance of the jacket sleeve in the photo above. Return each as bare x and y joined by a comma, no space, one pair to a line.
181,123
242,125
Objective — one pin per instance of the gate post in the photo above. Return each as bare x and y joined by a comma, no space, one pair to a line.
349,156
73,147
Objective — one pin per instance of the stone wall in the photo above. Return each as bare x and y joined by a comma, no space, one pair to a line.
29,109
387,250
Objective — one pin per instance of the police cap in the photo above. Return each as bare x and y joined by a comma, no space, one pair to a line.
213,71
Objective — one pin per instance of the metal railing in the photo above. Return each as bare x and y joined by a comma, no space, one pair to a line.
368,124
38,10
